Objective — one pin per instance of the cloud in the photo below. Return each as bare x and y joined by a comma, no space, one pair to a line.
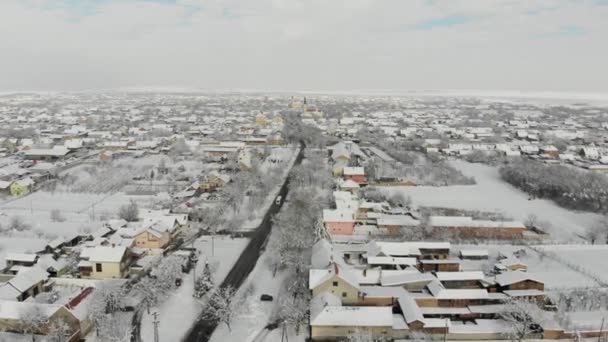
449,21
303,44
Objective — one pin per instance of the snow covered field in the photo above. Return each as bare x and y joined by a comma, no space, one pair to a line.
553,273
492,194
178,313
590,259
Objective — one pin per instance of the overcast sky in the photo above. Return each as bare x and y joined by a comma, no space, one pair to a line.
323,45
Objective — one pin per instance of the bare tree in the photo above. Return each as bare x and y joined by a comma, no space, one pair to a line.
594,233
520,315
17,223
60,331
223,306
31,320
531,221
57,216
129,212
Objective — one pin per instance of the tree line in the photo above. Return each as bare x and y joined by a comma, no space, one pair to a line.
569,187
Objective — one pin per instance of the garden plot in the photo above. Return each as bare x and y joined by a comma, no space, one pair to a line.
492,194
552,272
590,259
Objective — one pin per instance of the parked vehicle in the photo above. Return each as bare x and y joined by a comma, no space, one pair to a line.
266,298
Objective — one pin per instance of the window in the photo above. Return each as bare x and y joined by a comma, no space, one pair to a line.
98,267
343,294
335,284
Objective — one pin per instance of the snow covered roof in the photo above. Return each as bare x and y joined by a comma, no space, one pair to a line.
397,220
353,171
354,316
405,277
323,254
104,253
349,184
56,151
508,278
465,221
318,277
474,252
462,294
21,257
22,282
387,260
456,276
338,215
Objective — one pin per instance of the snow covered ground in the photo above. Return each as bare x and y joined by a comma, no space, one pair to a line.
553,273
492,194
590,259
178,313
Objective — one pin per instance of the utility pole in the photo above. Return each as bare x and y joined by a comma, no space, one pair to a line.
284,336
599,338
156,322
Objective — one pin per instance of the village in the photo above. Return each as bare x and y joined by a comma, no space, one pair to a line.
194,217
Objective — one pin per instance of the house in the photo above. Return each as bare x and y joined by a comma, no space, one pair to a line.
21,187
550,150
12,313
339,221
106,155
27,283
356,174
510,264
20,259
474,254
213,181
394,223
518,280
336,280
104,262
443,265
460,280
48,154
5,186
336,322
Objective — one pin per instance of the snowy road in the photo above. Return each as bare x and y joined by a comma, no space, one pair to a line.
203,329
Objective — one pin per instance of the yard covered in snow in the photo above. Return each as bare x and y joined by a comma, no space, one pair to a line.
590,259
552,272
492,194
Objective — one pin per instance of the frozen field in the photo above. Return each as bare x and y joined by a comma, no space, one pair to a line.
492,194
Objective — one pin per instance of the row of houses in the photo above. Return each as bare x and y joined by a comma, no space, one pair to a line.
386,290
